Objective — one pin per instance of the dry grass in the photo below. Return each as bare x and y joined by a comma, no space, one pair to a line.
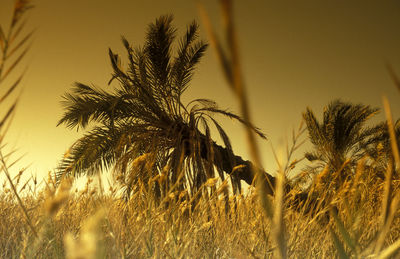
87,224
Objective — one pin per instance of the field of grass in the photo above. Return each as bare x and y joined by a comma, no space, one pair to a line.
348,210
88,224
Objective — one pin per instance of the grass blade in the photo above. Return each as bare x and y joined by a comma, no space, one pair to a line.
387,252
215,42
387,223
8,114
278,222
393,141
339,246
11,89
20,44
393,75
352,244
2,38
8,71
24,210
17,31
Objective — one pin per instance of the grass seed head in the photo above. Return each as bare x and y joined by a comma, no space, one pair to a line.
54,201
211,182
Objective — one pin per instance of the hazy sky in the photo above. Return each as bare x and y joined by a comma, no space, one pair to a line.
294,53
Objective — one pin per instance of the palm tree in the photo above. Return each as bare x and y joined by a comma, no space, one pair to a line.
341,138
379,146
143,123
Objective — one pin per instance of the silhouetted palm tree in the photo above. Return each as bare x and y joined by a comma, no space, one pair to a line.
144,122
341,137
379,145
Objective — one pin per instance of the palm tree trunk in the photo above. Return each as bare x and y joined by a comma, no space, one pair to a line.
225,160
228,160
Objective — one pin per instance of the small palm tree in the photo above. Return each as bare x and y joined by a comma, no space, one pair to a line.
341,138
143,123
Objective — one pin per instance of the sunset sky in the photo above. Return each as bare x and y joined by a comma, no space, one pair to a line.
294,54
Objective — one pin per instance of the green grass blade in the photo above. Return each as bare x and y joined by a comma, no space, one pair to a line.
352,244
339,246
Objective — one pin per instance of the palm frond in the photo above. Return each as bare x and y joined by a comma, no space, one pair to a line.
143,115
342,135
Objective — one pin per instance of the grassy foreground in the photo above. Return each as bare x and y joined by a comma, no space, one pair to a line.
88,224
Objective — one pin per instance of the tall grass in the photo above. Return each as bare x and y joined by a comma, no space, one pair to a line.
13,47
88,224
359,219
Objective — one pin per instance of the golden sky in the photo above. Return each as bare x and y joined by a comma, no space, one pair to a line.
294,54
